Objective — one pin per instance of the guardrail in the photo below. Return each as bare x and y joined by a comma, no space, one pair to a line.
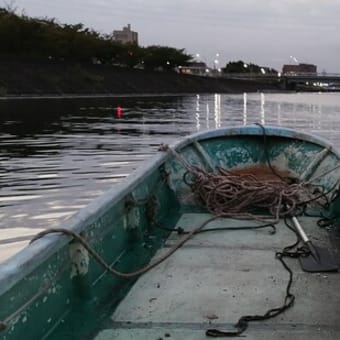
277,76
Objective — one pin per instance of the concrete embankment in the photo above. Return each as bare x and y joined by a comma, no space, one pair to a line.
52,78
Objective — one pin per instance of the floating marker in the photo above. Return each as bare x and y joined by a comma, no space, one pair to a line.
119,111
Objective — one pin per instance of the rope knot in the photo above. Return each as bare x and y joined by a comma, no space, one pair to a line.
163,147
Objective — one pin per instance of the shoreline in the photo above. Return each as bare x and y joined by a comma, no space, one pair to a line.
97,96
47,79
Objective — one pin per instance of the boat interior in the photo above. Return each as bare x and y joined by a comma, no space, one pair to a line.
219,276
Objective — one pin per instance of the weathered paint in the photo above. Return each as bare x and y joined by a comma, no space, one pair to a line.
79,258
61,304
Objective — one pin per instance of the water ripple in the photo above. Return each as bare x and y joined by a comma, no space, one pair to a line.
57,156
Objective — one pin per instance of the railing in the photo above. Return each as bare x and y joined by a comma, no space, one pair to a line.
277,76
312,75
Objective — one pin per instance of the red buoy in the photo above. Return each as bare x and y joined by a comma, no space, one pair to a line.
119,111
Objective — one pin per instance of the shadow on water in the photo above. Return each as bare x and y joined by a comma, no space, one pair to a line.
32,118
37,114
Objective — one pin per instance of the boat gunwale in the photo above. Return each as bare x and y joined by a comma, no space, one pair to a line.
29,258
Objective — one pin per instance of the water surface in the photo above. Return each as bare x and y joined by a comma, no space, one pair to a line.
58,155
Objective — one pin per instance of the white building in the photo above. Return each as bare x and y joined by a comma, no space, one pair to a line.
126,36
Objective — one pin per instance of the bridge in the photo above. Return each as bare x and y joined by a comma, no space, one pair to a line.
294,81
322,81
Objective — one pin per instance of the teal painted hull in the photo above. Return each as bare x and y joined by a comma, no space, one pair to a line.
54,289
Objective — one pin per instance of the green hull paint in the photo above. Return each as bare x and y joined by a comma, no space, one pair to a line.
37,284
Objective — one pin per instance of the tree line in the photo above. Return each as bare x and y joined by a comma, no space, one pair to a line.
42,38
39,39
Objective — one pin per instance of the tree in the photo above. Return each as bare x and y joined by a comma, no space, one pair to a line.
166,58
242,67
129,55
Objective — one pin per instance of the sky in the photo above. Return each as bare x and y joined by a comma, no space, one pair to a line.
265,32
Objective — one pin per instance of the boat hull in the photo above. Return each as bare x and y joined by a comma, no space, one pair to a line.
57,286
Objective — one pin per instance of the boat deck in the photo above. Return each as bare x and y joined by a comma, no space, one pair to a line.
217,277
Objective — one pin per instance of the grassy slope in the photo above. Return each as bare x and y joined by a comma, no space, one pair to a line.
18,78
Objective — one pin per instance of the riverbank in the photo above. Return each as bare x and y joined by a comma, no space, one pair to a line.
20,78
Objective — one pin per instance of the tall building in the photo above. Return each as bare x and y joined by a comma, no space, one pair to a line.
126,36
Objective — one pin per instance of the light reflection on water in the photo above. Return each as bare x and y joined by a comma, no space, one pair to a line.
58,156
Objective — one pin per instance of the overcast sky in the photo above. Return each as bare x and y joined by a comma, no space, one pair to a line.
267,32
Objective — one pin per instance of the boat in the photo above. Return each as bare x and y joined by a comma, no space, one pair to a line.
229,232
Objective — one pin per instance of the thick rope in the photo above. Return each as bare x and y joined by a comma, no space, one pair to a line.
230,194
244,193
113,271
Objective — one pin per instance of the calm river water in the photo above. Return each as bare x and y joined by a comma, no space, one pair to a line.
58,155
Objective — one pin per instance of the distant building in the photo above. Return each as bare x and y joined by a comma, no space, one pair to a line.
195,68
300,68
126,36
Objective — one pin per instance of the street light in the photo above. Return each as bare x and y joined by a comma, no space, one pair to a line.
216,61
294,59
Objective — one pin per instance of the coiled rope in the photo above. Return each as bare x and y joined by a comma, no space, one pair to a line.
229,194
255,192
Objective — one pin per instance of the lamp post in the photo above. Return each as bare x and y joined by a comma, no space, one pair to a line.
216,67
216,61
